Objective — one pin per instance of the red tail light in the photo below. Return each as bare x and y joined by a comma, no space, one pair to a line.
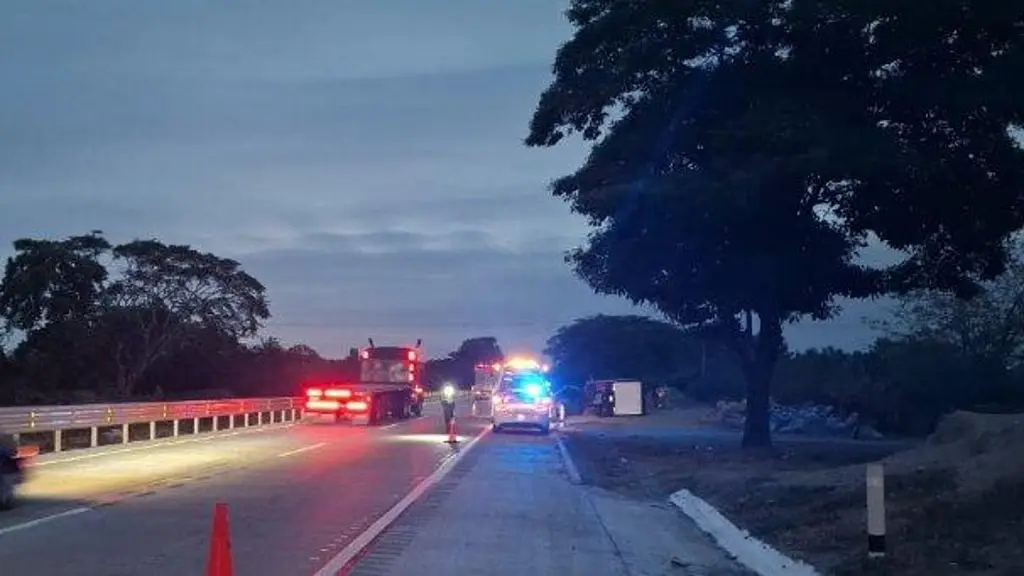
314,392
357,406
338,393
318,405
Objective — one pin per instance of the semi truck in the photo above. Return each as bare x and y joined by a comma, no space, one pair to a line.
390,386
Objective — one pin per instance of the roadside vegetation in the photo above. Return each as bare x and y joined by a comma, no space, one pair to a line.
745,160
84,320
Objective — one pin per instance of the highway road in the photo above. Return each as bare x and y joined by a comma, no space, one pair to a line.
297,496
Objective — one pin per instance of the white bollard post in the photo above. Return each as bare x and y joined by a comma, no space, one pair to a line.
876,510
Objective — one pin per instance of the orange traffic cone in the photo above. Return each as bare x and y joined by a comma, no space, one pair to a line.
452,438
219,562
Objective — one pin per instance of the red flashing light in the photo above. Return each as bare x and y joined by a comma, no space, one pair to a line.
357,406
365,354
412,355
318,405
314,392
338,393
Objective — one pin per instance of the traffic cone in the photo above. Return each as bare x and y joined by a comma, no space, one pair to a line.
219,562
452,438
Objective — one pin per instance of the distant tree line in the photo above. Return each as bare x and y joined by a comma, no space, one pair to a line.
939,353
85,320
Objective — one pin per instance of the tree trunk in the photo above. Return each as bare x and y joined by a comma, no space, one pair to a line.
756,428
758,369
125,383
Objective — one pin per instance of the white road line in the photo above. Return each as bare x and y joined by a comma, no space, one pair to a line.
334,565
301,450
152,445
43,520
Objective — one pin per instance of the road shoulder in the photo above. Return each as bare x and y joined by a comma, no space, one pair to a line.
952,503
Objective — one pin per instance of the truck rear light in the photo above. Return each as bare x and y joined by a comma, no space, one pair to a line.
314,392
318,405
357,406
338,393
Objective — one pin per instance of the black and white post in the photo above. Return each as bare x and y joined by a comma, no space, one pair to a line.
876,510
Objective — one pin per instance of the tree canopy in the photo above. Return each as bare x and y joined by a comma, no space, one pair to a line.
125,307
745,152
92,321
459,365
604,347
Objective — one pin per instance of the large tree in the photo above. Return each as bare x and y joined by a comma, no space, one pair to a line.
622,347
53,280
753,149
472,352
479,350
136,302
161,291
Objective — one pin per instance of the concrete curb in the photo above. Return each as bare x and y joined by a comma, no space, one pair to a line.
748,550
570,465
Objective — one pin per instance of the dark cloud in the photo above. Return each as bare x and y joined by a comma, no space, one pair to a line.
363,159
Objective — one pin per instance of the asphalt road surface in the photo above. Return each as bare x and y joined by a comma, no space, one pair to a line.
297,496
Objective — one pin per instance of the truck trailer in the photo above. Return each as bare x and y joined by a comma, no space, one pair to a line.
390,386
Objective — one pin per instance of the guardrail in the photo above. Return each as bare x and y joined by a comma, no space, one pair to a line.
59,428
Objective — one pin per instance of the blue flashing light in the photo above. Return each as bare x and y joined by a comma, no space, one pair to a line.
534,389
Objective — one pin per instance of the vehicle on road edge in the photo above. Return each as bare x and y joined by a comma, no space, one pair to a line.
390,386
14,463
523,400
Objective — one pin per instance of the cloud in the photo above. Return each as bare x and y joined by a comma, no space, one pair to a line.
363,159
447,286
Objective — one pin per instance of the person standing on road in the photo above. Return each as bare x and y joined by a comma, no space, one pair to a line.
448,405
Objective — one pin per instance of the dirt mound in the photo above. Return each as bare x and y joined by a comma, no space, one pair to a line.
981,450
990,431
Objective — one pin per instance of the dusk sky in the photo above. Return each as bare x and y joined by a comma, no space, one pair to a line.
363,159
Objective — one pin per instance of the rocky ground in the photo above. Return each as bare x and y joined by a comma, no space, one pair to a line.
955,503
